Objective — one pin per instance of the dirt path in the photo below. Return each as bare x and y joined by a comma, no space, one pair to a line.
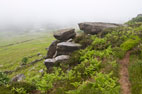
124,74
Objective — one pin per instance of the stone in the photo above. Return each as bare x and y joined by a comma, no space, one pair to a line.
65,34
51,62
38,54
70,40
66,48
61,58
18,78
96,27
41,71
52,49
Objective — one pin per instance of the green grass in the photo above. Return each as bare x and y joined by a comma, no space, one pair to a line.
135,74
11,56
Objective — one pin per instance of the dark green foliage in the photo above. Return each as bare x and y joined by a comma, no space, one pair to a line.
84,40
102,84
3,79
134,20
75,58
24,61
118,52
5,90
26,86
100,43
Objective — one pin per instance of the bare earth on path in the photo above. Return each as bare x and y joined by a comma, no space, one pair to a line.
124,74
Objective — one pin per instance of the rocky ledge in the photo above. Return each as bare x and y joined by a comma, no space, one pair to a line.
96,27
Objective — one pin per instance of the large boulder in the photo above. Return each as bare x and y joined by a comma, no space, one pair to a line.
52,49
95,27
51,62
65,48
65,34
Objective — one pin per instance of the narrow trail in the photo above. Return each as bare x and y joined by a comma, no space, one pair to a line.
124,75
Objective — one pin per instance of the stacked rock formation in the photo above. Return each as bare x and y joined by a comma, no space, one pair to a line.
60,49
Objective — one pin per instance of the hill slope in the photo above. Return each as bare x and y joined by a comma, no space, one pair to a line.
109,63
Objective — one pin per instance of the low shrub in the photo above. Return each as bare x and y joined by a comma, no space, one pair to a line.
84,40
102,84
24,61
22,86
3,79
5,90
130,43
118,52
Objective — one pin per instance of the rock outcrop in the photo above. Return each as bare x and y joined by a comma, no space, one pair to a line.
61,48
65,48
51,62
96,27
65,34
52,49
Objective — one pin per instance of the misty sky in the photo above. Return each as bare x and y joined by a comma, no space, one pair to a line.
67,11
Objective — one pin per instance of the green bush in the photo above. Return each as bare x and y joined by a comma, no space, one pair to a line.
99,43
75,58
134,20
84,40
21,86
103,84
118,52
5,90
130,43
24,61
3,79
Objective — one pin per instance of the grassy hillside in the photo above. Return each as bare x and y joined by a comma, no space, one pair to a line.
108,63
17,46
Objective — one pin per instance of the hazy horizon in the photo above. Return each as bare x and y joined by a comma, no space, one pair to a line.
62,12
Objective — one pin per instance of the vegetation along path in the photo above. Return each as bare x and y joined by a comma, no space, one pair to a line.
124,74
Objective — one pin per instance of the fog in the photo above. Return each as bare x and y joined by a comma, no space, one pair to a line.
66,12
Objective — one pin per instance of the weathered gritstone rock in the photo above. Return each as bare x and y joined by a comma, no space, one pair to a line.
65,34
70,40
18,78
65,48
61,58
96,27
52,49
51,62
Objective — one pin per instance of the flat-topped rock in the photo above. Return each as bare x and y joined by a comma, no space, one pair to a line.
65,48
65,34
96,27
51,62
62,58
